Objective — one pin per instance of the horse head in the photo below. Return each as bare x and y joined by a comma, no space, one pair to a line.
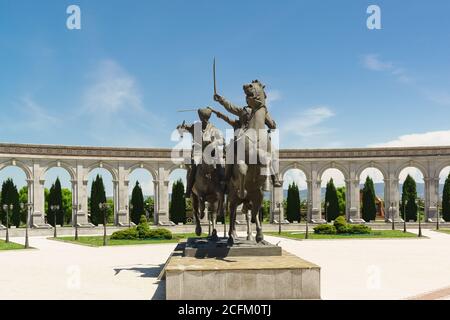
255,94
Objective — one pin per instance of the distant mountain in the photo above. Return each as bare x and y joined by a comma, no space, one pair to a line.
379,190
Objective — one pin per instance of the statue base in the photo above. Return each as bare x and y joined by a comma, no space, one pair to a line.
209,248
257,277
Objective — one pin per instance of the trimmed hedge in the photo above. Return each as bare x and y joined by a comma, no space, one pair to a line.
325,229
358,229
143,232
341,226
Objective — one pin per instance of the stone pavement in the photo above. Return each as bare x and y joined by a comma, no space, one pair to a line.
379,268
351,269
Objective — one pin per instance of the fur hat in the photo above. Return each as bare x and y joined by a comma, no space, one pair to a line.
204,113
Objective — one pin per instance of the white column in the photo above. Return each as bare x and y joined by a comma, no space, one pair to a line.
81,197
391,199
38,198
276,204
352,200
314,202
163,197
431,198
121,199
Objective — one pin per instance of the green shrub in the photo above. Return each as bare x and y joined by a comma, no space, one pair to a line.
160,233
127,234
325,229
143,229
341,224
358,229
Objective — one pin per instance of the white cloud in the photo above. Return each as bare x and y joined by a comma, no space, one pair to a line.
113,108
372,62
112,90
30,116
432,138
308,123
273,96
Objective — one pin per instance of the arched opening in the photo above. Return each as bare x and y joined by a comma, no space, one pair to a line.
333,194
14,190
65,213
177,177
444,194
372,177
295,180
142,179
100,183
412,193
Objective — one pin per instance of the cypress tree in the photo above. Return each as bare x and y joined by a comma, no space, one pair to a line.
409,194
369,209
293,203
446,200
98,195
57,200
137,200
177,210
341,200
10,195
332,199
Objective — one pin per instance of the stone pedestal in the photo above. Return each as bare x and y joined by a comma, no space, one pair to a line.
240,277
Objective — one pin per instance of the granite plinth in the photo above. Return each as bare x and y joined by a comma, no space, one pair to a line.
209,248
284,276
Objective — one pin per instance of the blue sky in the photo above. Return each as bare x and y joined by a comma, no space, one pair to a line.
120,79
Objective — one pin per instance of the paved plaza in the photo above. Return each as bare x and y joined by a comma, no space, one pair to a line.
351,269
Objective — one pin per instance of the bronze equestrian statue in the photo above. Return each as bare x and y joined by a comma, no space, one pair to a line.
253,158
205,174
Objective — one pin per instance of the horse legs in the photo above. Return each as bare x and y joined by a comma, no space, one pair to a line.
242,168
198,226
213,217
248,217
256,206
232,231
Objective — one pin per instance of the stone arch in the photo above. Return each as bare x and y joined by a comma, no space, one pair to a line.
413,164
333,165
369,165
153,172
102,165
19,164
174,167
440,168
59,164
295,165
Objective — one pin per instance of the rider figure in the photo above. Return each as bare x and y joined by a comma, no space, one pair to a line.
205,135
245,114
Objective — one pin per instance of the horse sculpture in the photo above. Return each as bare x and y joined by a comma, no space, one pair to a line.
249,173
207,186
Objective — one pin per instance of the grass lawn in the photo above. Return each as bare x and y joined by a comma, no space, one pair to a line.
443,230
10,245
97,241
375,234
